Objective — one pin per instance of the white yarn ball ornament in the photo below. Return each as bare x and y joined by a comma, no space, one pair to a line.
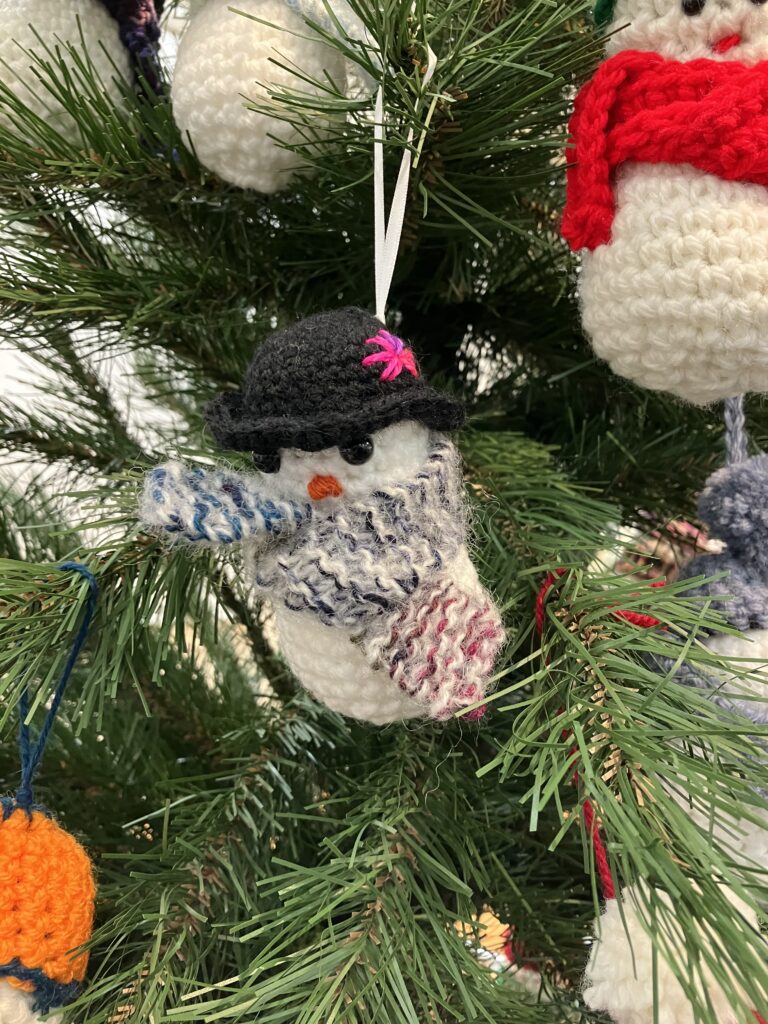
226,61
619,978
33,25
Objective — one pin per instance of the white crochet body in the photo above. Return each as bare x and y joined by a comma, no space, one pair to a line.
227,59
333,668
619,978
678,300
747,840
34,25
16,1007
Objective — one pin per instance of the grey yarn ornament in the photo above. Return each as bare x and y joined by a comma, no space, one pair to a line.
734,505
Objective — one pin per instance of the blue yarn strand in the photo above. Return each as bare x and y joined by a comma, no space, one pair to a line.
32,754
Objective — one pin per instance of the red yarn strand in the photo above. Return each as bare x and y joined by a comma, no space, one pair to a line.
642,107
601,855
590,818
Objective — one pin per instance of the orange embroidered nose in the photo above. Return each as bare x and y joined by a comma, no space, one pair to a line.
324,487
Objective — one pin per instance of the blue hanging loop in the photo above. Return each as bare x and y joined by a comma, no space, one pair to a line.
32,753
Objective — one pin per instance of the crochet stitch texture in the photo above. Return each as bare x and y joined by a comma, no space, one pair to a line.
712,115
667,197
312,385
227,61
46,906
83,25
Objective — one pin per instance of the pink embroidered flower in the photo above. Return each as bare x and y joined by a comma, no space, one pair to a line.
394,353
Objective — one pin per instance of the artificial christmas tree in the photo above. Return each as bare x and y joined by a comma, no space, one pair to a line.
259,857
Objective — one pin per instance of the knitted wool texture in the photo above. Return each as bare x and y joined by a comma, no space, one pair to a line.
371,556
227,61
46,907
710,114
441,649
34,25
213,506
307,387
668,197
387,581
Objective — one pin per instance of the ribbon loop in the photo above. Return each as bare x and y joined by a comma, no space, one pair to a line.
388,231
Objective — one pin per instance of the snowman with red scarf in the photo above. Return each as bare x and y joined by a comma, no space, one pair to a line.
668,195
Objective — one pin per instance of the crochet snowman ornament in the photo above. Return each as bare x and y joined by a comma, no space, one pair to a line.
232,56
667,196
354,524
620,973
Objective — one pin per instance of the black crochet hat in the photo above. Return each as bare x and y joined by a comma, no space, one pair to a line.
327,379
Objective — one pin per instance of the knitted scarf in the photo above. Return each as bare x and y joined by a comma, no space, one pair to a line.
371,556
383,567
641,107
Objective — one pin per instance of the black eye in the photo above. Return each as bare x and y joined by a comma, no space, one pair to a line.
358,452
692,7
758,3
266,462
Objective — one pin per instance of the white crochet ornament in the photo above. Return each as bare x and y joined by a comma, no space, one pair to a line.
354,528
620,974
677,300
227,61
337,670
44,26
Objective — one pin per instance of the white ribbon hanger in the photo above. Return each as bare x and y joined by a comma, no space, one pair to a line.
387,236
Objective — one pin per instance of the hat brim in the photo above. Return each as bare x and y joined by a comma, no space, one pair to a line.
234,429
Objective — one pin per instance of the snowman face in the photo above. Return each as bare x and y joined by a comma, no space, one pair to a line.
687,29
348,473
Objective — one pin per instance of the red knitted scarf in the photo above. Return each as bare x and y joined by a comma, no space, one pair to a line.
640,107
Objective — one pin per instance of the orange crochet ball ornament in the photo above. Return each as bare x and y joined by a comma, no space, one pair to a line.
46,906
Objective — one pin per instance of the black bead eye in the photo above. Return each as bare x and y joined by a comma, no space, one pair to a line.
358,452
266,462
693,7
758,3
